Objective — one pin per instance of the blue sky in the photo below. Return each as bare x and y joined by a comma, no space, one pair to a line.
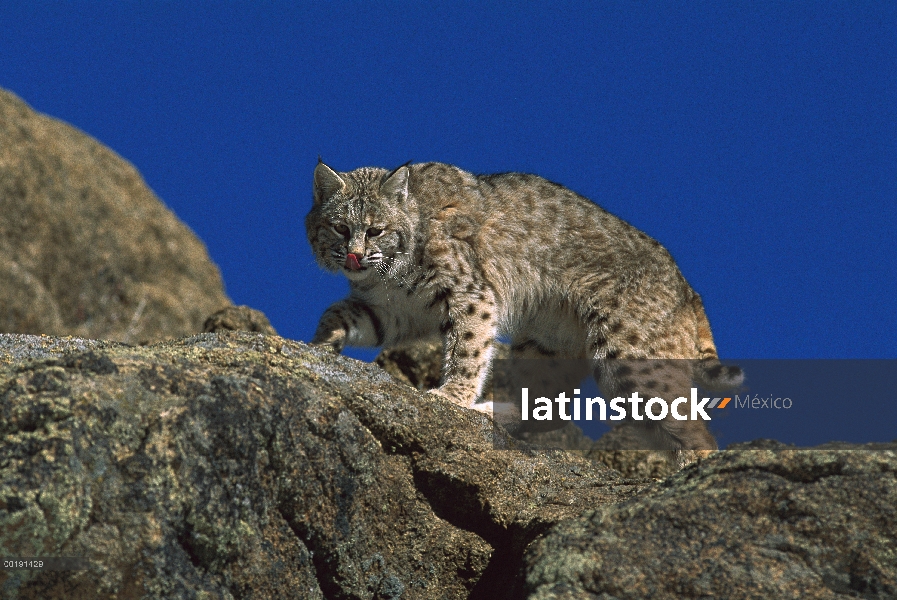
756,140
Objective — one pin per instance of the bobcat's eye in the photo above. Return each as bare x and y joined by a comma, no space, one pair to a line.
374,232
341,229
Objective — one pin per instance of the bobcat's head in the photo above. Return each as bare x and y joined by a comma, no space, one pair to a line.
359,222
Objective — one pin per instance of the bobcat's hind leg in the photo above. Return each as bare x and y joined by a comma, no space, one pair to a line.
682,438
546,369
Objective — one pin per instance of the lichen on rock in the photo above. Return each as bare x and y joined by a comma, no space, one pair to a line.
246,465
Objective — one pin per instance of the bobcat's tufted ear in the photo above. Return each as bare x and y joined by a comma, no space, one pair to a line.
396,184
327,182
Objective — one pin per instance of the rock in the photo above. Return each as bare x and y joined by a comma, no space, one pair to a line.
240,465
767,444
86,248
614,450
419,365
569,437
238,318
741,524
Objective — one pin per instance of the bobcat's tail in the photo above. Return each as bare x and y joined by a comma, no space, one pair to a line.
709,372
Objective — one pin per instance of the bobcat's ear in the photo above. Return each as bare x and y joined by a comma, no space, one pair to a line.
396,184
327,182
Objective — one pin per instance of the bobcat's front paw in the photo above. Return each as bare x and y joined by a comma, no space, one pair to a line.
333,340
503,412
335,348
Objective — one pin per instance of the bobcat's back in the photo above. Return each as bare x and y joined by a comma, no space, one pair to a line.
538,244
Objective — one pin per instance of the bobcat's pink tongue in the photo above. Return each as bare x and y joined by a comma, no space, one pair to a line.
352,262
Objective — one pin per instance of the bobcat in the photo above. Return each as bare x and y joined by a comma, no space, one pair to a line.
431,250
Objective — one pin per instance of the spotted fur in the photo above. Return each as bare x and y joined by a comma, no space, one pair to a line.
470,257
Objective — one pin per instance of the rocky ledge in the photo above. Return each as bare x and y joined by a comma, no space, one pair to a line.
240,465
244,465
